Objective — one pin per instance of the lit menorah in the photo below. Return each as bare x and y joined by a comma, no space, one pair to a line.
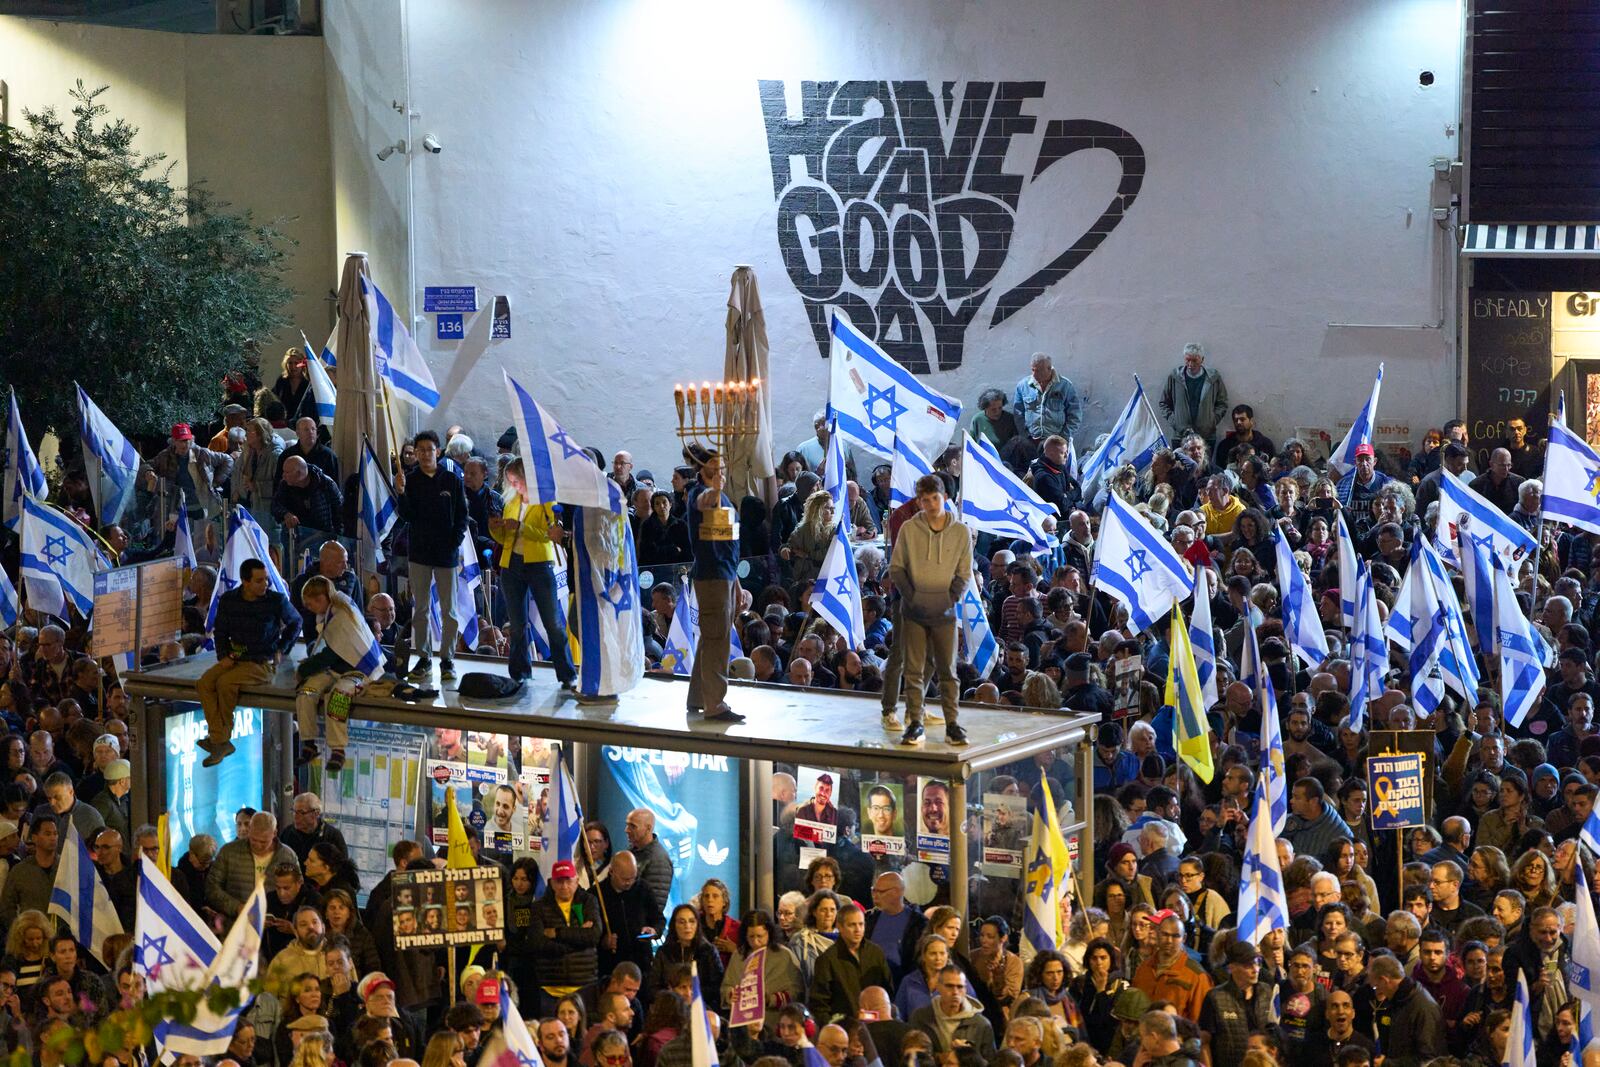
718,413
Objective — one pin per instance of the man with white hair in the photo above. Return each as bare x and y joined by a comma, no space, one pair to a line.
1047,403
1194,398
232,876
814,448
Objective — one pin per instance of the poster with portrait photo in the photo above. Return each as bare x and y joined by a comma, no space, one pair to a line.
1005,834
471,787
448,907
1126,678
817,818
933,820
471,747
883,826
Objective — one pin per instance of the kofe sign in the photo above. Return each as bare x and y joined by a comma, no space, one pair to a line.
1508,369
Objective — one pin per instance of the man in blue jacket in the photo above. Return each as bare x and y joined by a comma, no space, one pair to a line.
255,626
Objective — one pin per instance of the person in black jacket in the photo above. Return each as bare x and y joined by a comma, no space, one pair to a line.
434,502
566,935
1051,480
632,915
255,625
307,501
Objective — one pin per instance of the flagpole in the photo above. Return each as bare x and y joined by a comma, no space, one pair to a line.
1538,533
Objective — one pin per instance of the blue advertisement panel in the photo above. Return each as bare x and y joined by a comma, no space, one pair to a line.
202,800
695,798
1395,783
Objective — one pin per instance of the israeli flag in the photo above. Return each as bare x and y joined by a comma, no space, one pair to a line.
246,540
1301,625
344,630
172,945
394,351
979,646
684,632
1417,627
378,512
1523,653
1071,469
1138,566
1360,432
1369,652
1519,1045
608,614
182,537
833,477
330,351
558,470
702,1042
905,467
1253,673
113,461
836,594
541,640
995,500
1590,834
514,1031
1571,480
562,837
324,398
464,598
1348,568
80,898
1584,1037
1263,903
1203,640
873,399
1464,510
10,605
235,966
24,476
1134,438
1583,975
59,561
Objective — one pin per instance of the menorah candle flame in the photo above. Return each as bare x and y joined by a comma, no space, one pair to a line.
718,413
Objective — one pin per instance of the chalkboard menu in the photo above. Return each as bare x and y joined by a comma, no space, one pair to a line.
1508,370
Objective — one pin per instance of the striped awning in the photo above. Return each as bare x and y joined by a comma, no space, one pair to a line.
1531,239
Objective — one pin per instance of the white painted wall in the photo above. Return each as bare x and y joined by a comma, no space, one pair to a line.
606,165
244,115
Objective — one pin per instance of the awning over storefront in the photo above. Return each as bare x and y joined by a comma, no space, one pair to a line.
1531,239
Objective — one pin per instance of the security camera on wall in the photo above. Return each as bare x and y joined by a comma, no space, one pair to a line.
431,143
390,149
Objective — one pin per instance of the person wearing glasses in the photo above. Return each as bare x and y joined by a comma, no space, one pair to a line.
1449,910
1206,904
1170,974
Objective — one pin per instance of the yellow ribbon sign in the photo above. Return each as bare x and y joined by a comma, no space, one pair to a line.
1397,788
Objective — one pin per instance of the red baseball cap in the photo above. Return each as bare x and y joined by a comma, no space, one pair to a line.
563,869
1365,450
489,991
182,432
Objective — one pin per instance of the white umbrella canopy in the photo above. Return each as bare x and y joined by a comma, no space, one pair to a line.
749,460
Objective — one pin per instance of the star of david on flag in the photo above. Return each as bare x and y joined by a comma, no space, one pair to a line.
875,399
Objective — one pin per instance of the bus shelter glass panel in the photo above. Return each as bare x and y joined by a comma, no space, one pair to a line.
203,800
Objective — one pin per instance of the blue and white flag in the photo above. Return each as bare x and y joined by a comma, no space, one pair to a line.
995,500
395,353
608,614
874,399
345,631
1203,639
514,1031
1134,438
1463,511
542,649
1418,626
1590,834
1360,433
702,1042
1302,627
905,467
1519,1045
330,351
10,604
1138,566
59,561
562,835
683,635
246,540
1263,903
111,458
464,598
834,477
235,966
1369,651
1583,974
80,898
557,469
173,946
1253,673
324,398
378,512
1523,653
182,536
24,476
1584,1037
1071,467
978,644
1571,479
836,593
1345,545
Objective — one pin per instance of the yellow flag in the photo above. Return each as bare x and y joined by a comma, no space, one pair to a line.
1191,730
460,855
1048,881
164,844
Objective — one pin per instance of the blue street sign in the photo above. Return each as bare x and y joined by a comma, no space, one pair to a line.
1395,785
437,298
451,327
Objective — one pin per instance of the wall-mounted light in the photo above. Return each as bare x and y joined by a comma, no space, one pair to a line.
390,149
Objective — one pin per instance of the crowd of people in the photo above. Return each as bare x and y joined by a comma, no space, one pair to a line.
1399,971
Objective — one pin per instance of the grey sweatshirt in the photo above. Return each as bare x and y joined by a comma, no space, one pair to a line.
931,568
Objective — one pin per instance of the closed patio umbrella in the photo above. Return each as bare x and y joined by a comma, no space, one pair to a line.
749,462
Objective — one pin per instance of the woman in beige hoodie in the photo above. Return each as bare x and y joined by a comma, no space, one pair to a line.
930,568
